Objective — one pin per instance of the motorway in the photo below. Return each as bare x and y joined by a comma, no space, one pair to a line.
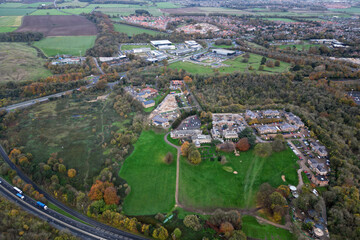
106,231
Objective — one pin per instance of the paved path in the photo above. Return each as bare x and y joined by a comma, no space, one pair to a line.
177,169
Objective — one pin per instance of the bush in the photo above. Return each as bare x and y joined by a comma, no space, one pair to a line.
169,158
176,234
263,150
192,221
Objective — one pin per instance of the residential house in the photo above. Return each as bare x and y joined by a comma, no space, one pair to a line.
293,119
250,114
286,127
320,180
184,133
201,138
160,121
319,149
271,113
228,134
264,129
149,103
176,84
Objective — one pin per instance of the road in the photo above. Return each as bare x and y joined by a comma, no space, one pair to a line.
117,234
98,67
58,220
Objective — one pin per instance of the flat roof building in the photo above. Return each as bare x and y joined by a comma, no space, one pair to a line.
224,52
158,43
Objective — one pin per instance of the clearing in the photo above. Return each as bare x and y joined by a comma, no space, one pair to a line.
209,186
131,30
71,45
73,127
58,25
19,62
235,64
152,181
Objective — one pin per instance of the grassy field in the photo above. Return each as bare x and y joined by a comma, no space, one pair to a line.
23,5
152,181
258,231
131,47
72,45
48,12
279,19
19,62
167,5
298,46
131,30
352,10
223,46
15,11
9,23
74,128
208,185
235,64
74,3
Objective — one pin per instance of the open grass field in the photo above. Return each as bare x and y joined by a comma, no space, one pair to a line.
77,11
15,11
279,19
235,64
352,10
205,10
223,46
298,46
9,23
19,62
42,12
208,185
131,47
126,11
58,25
167,5
74,128
131,30
258,231
71,45
73,3
152,181
23,5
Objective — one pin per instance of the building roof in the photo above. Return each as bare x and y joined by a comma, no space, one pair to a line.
159,119
223,51
149,102
160,42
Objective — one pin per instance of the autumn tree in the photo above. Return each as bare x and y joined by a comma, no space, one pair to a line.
193,222
226,228
263,150
110,196
168,159
243,144
278,144
238,235
185,148
194,156
187,79
71,173
160,233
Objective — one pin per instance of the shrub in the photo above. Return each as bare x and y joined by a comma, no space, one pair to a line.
169,158
192,221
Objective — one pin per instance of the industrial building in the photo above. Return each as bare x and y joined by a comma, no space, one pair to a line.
223,52
161,43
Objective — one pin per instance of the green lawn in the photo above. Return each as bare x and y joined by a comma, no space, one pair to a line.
7,29
19,62
279,19
298,46
305,178
235,64
352,10
15,11
209,186
167,5
253,229
223,46
131,47
72,45
48,12
131,30
9,23
152,181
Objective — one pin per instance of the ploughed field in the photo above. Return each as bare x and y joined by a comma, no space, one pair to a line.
58,25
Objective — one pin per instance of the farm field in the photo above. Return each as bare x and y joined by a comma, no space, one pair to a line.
74,128
209,186
71,45
152,181
279,19
23,5
167,5
126,11
235,64
9,23
15,11
298,46
19,62
74,3
258,231
131,30
205,10
352,10
41,12
58,25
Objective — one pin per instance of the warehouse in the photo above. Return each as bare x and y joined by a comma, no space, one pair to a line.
224,52
159,43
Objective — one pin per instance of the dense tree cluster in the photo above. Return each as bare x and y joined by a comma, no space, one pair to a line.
21,36
18,224
190,151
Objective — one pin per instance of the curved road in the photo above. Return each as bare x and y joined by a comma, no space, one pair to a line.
116,233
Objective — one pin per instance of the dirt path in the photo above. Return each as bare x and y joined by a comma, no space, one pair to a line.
177,169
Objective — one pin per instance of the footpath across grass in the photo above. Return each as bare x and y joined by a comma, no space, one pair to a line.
209,185
71,45
253,229
152,181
